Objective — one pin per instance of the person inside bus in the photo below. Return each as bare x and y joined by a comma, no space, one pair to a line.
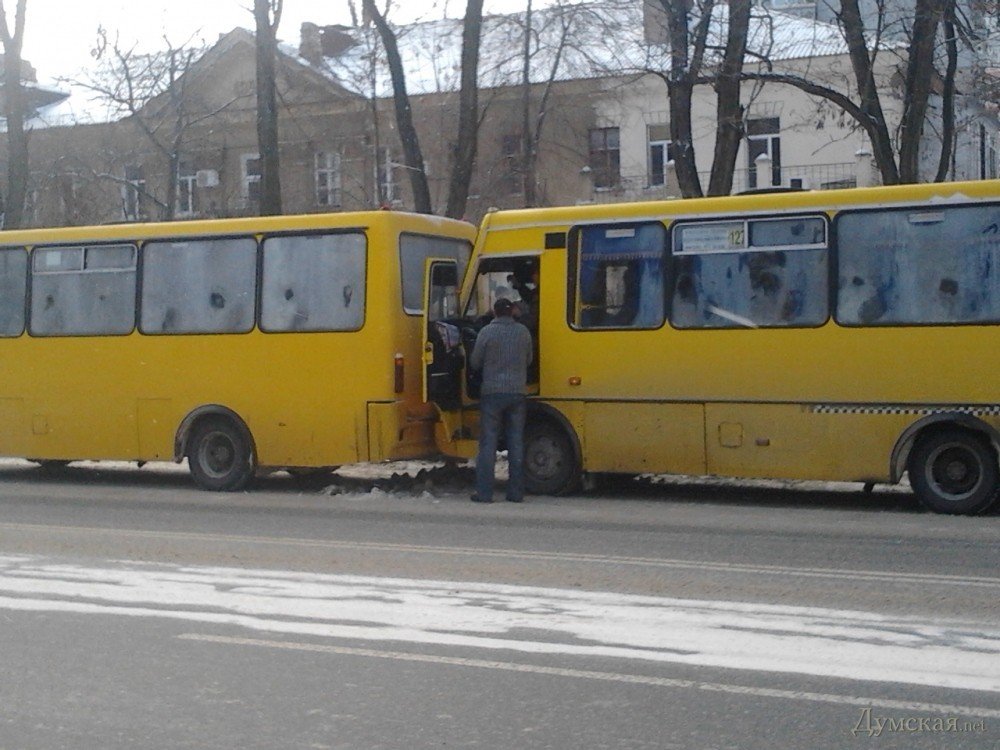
502,353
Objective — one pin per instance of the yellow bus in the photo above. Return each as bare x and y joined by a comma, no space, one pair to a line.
837,335
240,344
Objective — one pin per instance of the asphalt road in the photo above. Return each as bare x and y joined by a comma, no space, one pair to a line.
139,612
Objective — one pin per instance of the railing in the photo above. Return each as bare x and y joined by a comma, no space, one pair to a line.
806,177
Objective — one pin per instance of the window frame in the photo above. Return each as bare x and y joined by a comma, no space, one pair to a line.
83,270
463,266
250,182
744,221
328,164
883,209
362,231
196,238
26,290
574,251
604,167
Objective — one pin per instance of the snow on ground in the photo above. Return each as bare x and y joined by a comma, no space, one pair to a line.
448,477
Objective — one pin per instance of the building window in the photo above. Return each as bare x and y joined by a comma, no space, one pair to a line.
660,152
763,139
133,189
250,170
385,176
186,197
510,164
605,157
327,173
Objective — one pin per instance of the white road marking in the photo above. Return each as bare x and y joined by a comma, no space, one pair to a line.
878,576
733,635
632,679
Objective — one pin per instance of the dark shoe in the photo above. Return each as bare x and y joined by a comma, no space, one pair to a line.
515,499
476,499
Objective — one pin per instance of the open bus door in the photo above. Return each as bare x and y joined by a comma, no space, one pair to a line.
444,358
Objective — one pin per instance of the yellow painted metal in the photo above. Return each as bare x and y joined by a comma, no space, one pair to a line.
306,397
642,391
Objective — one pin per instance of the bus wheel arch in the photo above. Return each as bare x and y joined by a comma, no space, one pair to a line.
953,464
553,457
220,449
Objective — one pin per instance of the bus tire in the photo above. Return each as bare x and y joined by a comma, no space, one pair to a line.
219,455
954,471
550,463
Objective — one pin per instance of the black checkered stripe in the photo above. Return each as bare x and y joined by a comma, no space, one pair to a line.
982,410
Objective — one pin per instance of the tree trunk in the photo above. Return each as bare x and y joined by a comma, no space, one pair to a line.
15,100
948,97
874,119
404,115
468,112
684,68
267,108
729,110
919,74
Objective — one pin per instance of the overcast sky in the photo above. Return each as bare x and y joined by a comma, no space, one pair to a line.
60,34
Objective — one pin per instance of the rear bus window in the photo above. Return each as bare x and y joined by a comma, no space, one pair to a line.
13,289
83,291
314,283
199,286
938,265
619,273
756,273
414,249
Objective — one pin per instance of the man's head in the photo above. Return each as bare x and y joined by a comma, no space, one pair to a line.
503,307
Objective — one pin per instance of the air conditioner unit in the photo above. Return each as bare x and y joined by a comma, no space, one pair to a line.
206,178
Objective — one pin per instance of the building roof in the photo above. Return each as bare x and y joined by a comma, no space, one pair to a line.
565,35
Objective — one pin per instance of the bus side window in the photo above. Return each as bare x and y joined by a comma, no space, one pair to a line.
620,271
83,291
919,267
314,283
198,286
13,289
756,273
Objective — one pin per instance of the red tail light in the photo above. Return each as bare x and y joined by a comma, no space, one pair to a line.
399,372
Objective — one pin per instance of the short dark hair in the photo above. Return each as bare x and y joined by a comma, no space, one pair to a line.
503,306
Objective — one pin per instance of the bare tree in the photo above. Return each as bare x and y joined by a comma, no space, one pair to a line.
468,111
151,91
267,15
15,105
896,156
468,119
534,114
412,155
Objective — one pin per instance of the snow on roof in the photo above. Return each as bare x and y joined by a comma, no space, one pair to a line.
564,41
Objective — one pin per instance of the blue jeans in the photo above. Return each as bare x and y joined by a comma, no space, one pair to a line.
508,409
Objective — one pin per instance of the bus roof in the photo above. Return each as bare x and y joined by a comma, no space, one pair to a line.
762,202
237,226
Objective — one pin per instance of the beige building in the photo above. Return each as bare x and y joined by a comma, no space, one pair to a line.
605,135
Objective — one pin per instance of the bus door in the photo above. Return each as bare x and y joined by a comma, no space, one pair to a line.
513,277
443,358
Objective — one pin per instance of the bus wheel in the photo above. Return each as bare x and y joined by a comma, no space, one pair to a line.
550,465
954,471
220,456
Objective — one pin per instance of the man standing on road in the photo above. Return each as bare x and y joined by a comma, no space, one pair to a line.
503,352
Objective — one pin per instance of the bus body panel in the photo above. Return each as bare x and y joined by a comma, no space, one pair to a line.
307,398
825,401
